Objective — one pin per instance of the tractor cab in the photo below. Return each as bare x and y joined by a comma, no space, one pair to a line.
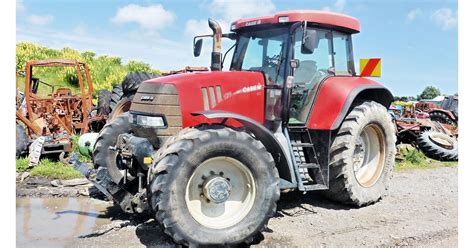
296,51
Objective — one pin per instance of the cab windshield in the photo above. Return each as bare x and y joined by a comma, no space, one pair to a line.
262,50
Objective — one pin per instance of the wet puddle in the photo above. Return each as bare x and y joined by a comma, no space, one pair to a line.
57,222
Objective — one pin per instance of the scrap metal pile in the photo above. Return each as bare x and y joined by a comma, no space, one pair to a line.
55,115
432,127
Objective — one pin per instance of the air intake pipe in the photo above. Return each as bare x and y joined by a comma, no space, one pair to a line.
216,56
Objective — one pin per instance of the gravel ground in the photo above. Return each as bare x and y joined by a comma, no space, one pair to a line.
421,211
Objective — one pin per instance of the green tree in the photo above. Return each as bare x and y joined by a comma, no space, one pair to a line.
430,92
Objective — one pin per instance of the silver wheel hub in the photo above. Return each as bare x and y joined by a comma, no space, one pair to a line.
217,189
368,159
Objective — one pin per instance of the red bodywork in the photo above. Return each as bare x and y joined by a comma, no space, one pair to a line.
241,93
312,16
331,98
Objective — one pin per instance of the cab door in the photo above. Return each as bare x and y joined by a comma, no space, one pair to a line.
311,71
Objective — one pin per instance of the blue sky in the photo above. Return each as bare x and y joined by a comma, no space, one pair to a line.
416,39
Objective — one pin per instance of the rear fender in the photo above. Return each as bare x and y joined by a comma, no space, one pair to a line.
338,95
261,133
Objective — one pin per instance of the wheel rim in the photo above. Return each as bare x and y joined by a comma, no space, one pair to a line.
220,193
369,155
442,140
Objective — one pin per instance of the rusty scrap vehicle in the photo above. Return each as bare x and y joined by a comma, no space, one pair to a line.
436,139
445,111
207,153
55,113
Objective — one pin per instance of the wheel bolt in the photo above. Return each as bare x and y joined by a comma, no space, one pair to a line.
221,173
212,172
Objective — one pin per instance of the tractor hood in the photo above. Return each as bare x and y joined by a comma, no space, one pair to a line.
181,95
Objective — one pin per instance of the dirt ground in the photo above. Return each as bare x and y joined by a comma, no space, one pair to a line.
421,211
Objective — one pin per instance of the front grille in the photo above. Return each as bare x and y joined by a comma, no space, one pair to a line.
157,99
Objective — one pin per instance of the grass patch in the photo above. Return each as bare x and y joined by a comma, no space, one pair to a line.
410,158
22,164
54,169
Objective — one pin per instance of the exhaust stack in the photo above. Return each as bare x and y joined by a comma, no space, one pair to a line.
216,56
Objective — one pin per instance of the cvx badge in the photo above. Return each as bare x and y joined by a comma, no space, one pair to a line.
146,98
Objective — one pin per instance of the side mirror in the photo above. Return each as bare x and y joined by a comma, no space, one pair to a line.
197,48
308,41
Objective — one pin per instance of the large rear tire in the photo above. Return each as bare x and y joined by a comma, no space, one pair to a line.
362,156
438,146
213,186
442,117
115,97
133,80
103,102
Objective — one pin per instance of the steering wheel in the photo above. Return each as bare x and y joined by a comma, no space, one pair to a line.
271,61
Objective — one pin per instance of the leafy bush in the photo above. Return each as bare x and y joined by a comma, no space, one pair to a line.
106,71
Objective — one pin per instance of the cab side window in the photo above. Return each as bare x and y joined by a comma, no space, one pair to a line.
342,54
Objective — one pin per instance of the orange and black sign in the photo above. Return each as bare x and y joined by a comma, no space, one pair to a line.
371,67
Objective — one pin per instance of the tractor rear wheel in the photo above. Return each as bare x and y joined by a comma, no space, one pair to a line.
438,146
213,186
442,118
21,140
115,96
133,80
362,156
103,102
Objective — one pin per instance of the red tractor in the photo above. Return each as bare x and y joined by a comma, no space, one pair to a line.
207,153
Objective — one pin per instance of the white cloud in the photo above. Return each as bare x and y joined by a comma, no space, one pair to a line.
20,6
413,14
226,12
445,18
338,6
149,17
196,27
80,29
40,20
233,10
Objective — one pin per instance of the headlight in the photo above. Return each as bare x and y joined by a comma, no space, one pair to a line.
147,121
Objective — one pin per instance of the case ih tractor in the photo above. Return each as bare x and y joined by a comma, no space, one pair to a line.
208,152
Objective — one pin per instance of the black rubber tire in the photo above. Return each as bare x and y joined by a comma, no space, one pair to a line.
442,118
103,102
434,151
173,166
343,184
115,96
122,106
133,80
21,140
102,155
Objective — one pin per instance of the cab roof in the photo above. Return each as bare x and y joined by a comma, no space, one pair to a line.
349,23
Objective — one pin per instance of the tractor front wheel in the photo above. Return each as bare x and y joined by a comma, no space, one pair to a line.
213,186
362,156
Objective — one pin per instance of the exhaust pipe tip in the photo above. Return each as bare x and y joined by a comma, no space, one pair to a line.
216,56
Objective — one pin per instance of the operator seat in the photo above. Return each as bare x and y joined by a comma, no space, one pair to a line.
307,72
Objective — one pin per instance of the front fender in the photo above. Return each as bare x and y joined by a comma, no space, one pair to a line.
261,133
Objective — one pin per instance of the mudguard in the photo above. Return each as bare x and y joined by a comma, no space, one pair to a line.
261,133
336,97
